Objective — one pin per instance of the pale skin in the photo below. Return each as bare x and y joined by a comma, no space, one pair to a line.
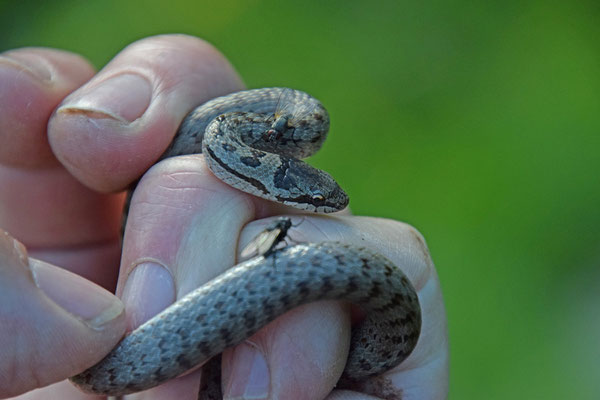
70,142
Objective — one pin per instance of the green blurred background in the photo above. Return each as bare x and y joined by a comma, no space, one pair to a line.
482,121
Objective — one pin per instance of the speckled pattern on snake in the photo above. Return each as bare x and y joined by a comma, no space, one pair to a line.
252,140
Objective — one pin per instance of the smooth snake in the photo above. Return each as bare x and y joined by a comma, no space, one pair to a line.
252,140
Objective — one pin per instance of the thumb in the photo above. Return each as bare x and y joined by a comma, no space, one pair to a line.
53,323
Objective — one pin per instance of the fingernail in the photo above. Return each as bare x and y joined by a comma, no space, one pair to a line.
29,63
93,304
149,290
249,377
123,98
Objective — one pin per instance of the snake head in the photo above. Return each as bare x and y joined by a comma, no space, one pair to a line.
301,186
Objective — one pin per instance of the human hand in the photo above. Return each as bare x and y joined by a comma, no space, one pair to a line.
183,226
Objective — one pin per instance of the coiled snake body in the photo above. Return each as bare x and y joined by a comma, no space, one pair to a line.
251,140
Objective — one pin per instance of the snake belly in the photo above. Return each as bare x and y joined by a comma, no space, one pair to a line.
239,135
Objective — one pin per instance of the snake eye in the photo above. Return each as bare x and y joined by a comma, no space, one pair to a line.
318,198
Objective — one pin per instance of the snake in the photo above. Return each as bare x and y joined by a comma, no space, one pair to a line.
254,140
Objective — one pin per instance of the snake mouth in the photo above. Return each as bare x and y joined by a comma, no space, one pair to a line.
308,203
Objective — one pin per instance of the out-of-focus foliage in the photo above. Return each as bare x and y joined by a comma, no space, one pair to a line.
478,122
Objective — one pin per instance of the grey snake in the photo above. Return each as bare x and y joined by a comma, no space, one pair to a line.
252,140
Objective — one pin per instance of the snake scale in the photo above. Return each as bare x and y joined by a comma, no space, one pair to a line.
252,140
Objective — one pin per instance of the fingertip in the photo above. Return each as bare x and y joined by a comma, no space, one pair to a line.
32,83
55,323
88,302
172,222
149,289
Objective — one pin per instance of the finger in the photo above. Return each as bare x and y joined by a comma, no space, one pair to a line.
54,323
182,231
181,215
116,126
58,218
33,82
49,210
422,375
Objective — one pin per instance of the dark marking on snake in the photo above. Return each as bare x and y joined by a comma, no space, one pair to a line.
281,178
252,162
256,183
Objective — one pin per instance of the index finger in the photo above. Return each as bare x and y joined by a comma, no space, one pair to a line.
41,204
